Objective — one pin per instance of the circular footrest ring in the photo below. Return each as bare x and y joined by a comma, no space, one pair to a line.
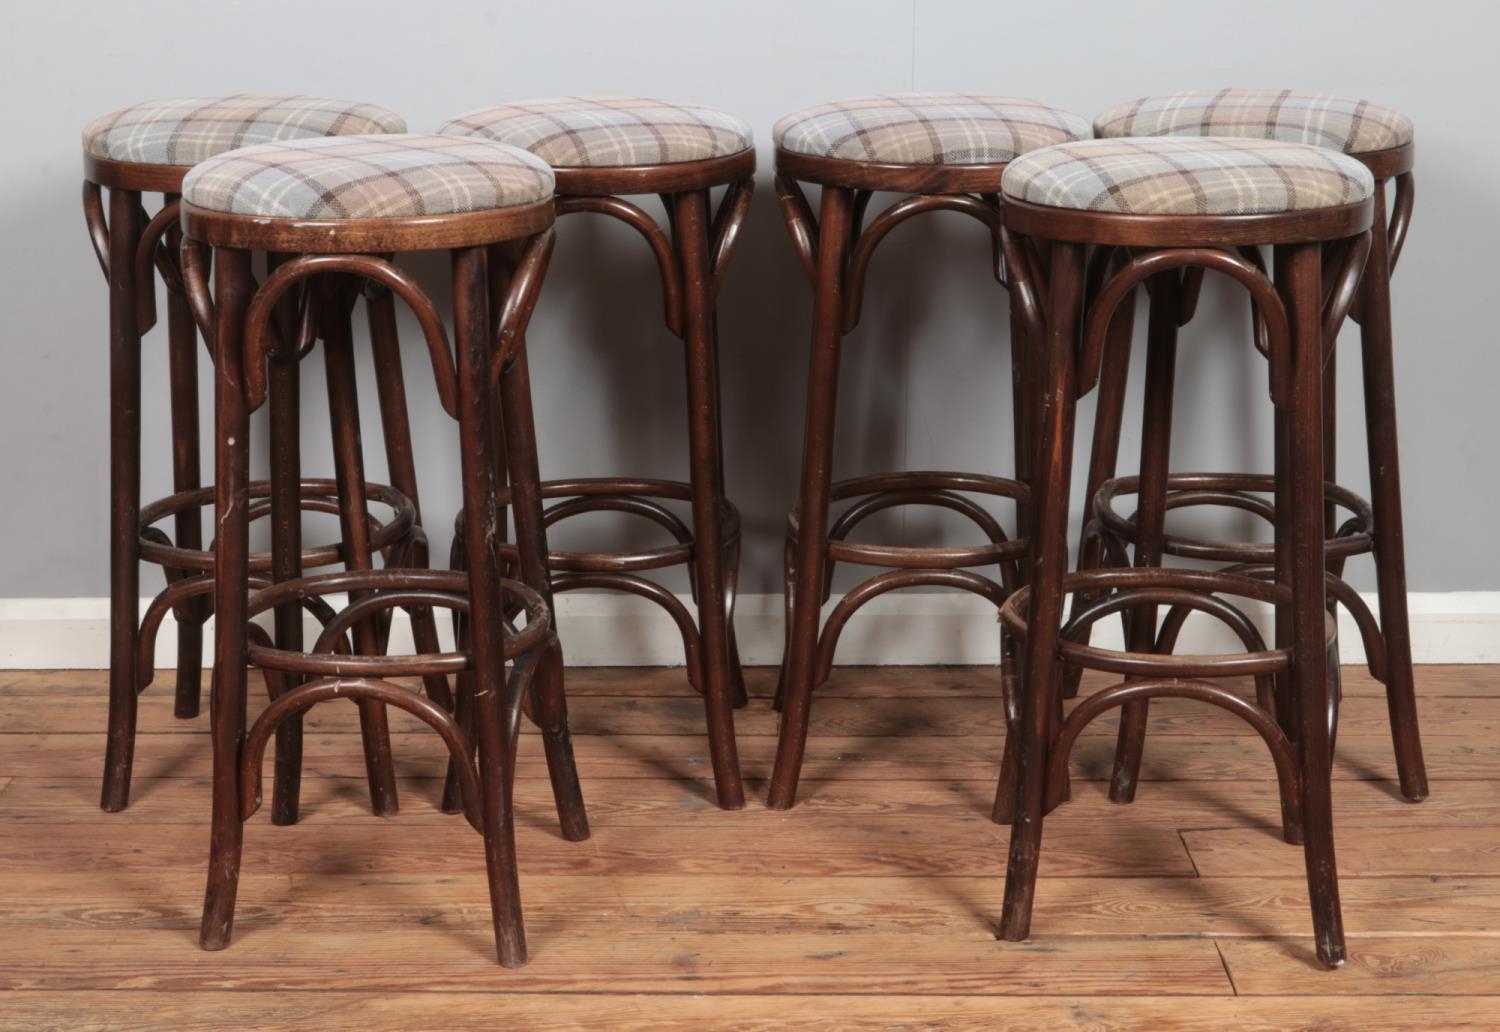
1240,491
927,487
1118,591
375,591
319,496
638,497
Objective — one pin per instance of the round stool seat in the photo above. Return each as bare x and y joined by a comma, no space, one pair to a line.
187,130
1320,119
1177,176
608,132
368,177
927,129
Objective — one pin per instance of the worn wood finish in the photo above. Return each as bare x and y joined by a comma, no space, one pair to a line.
1293,330
869,905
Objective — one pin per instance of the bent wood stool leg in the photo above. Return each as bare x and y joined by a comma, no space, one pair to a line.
551,708
1041,673
691,233
125,495
348,464
812,505
187,466
1156,445
233,287
1385,499
1299,268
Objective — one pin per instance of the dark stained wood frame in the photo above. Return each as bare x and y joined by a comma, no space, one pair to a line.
692,254
1293,304
835,247
480,727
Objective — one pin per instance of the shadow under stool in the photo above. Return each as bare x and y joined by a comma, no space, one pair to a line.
942,152
603,149
342,206
1180,205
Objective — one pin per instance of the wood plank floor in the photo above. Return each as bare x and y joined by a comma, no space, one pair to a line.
871,905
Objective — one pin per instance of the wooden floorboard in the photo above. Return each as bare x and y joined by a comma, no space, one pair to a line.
871,905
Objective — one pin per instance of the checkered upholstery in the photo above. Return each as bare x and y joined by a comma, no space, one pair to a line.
927,129
368,177
187,130
1178,176
1321,119
608,132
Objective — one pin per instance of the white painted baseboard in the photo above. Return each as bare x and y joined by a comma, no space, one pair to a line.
620,630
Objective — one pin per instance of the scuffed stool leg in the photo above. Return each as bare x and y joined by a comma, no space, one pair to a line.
182,357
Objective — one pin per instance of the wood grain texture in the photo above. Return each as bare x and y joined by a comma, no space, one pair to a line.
871,905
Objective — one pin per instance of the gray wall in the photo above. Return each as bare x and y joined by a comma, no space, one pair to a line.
925,381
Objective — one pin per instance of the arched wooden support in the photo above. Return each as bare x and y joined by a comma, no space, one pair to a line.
178,592
800,221
148,253
1270,308
193,262
520,299
1359,611
656,238
964,580
289,274
93,217
724,233
642,588
1344,289
1401,208
1283,754
304,697
334,631
869,239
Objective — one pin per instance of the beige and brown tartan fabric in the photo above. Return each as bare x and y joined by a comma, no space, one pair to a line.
607,132
1172,175
368,177
1320,119
927,129
187,130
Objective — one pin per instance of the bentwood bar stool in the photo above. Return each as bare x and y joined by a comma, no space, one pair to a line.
944,152
1176,206
602,149
147,149
341,206
1381,139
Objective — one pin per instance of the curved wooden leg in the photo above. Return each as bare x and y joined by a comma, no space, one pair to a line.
182,357
531,542
233,287
1109,413
125,228
690,231
349,471
286,562
1156,447
1298,276
1385,498
486,624
812,505
1041,672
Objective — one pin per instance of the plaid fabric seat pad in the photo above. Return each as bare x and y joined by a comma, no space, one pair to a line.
368,177
927,129
188,130
608,132
1177,176
1320,119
